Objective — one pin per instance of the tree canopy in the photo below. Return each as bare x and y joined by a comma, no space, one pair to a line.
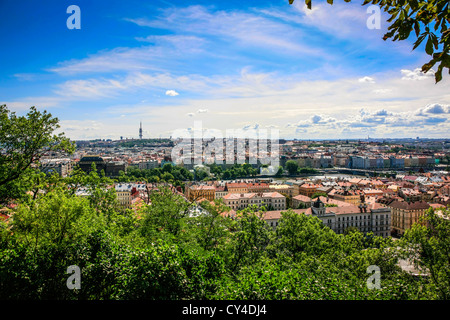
23,142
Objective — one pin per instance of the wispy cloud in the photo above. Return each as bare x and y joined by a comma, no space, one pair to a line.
240,28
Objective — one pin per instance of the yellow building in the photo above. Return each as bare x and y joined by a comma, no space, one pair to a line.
307,189
198,192
348,196
237,188
405,214
284,189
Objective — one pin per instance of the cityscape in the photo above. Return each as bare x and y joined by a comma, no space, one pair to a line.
225,151
399,179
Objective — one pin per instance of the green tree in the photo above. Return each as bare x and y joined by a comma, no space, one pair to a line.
428,246
23,141
280,171
291,166
318,194
55,219
166,217
211,228
299,233
250,237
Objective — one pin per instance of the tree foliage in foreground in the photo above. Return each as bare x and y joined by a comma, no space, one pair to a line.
428,20
171,253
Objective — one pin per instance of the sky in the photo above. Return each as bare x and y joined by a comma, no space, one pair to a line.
254,64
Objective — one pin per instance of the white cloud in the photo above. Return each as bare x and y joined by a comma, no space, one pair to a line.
416,74
367,79
433,108
202,110
171,93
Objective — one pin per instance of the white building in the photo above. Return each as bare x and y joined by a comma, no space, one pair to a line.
270,200
371,218
365,217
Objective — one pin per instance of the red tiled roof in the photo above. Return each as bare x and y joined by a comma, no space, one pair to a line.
276,214
416,205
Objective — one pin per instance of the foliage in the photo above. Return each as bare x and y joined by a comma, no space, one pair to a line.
306,170
318,194
428,244
168,173
291,166
23,142
239,171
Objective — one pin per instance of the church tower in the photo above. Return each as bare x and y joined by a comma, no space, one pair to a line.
318,207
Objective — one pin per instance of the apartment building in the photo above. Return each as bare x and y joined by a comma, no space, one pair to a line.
365,217
284,189
126,192
308,189
270,200
149,164
258,187
350,196
405,214
197,192
301,200
237,187
63,167
220,192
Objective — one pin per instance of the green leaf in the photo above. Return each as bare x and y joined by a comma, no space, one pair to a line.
308,3
438,74
429,46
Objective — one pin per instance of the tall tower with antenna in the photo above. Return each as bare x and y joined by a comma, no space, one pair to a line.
140,131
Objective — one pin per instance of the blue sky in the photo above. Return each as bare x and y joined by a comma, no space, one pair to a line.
317,73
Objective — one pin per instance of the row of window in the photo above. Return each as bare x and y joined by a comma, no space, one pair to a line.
257,201
342,229
365,217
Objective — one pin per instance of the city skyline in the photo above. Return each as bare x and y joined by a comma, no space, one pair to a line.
311,74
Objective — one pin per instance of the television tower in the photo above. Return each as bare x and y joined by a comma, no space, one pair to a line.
140,131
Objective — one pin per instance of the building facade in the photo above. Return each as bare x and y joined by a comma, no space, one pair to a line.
405,214
270,200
